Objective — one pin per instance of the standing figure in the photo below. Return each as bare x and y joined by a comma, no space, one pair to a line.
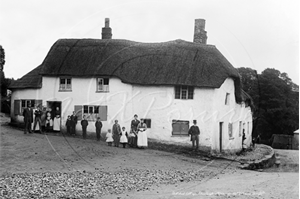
116,130
49,121
109,138
37,119
131,138
134,124
28,118
98,125
123,138
56,120
43,119
142,140
84,124
68,125
73,123
194,131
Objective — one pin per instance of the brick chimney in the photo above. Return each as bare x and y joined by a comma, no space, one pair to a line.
199,32
106,31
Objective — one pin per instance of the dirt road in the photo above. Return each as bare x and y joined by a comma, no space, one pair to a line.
146,172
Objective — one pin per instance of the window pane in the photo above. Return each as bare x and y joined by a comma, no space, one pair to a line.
96,109
68,81
183,94
100,81
23,103
62,81
85,109
190,92
32,103
106,81
177,92
91,109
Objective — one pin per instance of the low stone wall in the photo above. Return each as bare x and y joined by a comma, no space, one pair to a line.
267,161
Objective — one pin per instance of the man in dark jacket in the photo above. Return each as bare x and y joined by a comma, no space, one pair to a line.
73,123
98,125
84,124
194,131
28,118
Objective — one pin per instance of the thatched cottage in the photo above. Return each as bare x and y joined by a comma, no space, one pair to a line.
169,84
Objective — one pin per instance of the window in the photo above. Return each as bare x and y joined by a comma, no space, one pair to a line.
227,98
20,105
230,130
91,112
147,122
184,92
65,84
102,84
180,128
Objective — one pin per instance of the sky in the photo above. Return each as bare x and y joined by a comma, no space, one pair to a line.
258,34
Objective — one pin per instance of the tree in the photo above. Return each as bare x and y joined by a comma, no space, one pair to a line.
276,100
5,99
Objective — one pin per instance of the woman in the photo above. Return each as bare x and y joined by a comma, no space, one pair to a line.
56,120
142,140
116,130
133,137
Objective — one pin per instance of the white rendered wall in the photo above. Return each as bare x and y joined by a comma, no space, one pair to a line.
155,103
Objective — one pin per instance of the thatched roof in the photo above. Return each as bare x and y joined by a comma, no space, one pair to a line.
168,63
33,79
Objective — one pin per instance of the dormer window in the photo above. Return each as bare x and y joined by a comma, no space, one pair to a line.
102,84
184,92
65,84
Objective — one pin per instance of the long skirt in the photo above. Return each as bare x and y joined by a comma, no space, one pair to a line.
142,140
56,124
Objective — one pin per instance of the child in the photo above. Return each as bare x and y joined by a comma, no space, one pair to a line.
123,139
109,138
98,125
131,138
68,125
116,130
84,124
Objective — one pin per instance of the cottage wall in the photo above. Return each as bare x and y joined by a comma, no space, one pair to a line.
155,103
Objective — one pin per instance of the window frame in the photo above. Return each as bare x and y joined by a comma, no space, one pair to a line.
104,84
184,92
90,112
180,123
147,121
63,87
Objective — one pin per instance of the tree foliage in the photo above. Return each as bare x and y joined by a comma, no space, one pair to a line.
276,100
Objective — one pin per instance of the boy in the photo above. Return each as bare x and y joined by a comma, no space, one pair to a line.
84,124
68,125
98,125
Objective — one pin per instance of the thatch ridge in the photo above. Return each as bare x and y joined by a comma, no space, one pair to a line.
175,62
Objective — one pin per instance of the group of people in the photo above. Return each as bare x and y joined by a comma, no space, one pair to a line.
136,138
43,119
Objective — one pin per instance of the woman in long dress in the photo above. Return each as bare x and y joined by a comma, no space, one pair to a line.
56,120
142,140
133,132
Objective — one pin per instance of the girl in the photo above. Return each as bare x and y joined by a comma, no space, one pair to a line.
123,139
109,138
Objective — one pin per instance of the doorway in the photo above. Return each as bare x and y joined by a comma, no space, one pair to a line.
220,135
55,108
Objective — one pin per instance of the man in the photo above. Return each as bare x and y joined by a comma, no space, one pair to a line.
194,131
28,118
73,123
84,124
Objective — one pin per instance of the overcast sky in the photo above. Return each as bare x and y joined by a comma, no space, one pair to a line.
258,34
